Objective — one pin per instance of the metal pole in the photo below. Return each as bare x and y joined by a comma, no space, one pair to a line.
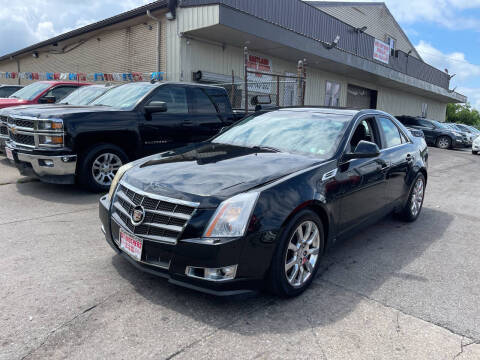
299,82
278,90
245,53
232,91
304,81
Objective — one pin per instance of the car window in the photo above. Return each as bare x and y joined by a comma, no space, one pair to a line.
60,92
364,131
125,97
200,102
391,132
223,103
426,124
175,97
290,131
31,91
85,95
6,91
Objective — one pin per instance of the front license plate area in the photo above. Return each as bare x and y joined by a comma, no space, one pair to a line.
9,154
131,245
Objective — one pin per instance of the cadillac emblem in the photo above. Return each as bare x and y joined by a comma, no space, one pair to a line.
138,215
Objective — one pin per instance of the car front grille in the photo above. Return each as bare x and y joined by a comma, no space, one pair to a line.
22,139
165,218
3,130
28,124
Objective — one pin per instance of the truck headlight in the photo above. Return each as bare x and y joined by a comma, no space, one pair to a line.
123,169
232,216
51,124
50,141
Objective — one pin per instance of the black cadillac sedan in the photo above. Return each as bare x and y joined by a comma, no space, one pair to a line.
260,203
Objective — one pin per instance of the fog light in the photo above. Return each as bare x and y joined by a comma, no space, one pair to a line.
212,274
46,163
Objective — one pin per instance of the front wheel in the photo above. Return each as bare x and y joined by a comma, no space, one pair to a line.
474,152
98,166
444,142
297,257
414,205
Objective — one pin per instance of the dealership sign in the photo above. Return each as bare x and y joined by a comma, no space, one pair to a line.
259,82
381,51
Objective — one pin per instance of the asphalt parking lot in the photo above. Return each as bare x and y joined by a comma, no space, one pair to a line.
394,291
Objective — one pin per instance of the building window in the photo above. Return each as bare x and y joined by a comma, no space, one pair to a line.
424,110
332,94
392,42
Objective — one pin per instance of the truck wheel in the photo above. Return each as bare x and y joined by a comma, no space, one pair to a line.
297,257
98,166
444,142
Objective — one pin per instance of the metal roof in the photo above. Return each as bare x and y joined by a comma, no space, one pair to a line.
156,5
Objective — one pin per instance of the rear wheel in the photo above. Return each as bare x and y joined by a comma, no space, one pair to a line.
474,152
444,142
414,205
98,166
297,257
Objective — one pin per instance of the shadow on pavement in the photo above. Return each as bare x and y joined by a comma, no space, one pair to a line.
364,263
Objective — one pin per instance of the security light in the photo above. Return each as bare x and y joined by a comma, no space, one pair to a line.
35,55
361,29
333,44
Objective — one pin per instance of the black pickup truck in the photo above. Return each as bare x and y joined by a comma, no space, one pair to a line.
88,144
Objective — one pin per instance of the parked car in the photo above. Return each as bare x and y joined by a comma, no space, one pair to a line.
470,129
259,203
467,137
88,144
7,90
436,133
81,96
40,92
476,146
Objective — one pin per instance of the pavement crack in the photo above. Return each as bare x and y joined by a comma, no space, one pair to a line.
224,326
463,346
443,326
65,324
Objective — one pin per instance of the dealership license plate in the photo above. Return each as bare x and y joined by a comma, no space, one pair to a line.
131,245
9,154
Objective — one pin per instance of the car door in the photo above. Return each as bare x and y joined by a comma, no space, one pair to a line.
400,153
204,121
164,130
362,182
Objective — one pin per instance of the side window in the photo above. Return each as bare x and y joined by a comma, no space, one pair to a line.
175,98
60,91
201,103
391,132
364,131
221,100
425,124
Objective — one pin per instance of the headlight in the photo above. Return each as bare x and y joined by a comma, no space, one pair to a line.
50,141
51,124
123,169
232,216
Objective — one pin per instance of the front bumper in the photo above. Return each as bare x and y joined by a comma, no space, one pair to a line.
52,167
170,261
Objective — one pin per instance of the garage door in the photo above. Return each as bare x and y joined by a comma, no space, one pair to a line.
361,98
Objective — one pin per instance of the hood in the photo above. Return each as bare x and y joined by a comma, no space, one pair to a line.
7,102
58,110
209,173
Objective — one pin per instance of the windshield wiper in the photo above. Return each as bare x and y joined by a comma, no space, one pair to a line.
14,97
268,148
103,105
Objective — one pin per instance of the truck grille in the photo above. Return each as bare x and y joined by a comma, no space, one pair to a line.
3,129
21,123
21,139
165,218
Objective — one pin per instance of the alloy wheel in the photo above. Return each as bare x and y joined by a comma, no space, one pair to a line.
417,197
443,143
104,168
302,253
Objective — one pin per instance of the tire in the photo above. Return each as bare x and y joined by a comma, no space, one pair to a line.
474,152
411,212
278,278
88,173
444,142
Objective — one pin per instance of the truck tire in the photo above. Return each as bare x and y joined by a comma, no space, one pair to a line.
98,166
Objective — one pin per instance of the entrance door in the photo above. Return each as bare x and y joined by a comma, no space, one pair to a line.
290,90
361,98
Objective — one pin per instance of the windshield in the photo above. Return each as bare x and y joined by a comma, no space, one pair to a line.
440,125
124,97
84,95
311,133
31,91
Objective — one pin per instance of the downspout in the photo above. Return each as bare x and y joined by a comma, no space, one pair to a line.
18,71
159,39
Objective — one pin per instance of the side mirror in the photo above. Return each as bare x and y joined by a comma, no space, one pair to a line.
155,107
261,100
364,150
47,100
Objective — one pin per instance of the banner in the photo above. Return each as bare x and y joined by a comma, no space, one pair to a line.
101,77
381,51
259,83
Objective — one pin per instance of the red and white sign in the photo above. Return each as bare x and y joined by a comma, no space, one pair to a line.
259,83
381,51
131,245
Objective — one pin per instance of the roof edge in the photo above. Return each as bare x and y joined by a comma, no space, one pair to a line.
159,4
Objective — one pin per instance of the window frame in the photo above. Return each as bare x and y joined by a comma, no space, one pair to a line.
400,132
